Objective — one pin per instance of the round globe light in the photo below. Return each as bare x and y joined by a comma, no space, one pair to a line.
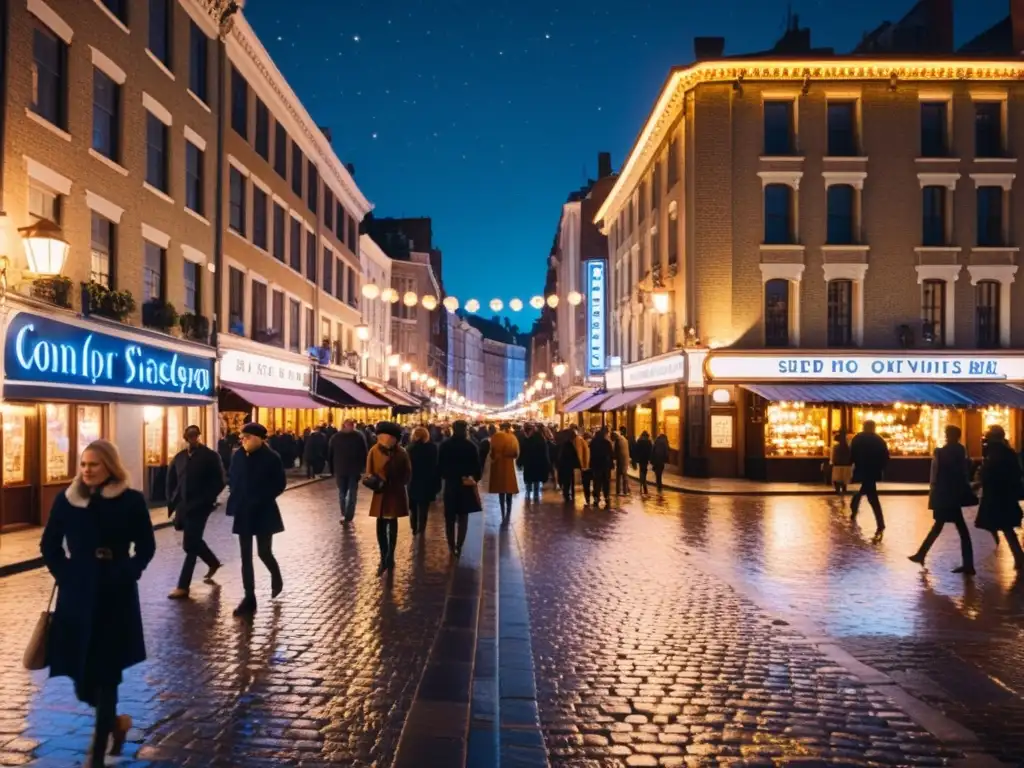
410,299
537,302
429,303
496,305
516,305
371,291
472,306
575,298
451,303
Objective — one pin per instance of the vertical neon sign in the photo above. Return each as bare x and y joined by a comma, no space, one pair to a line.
595,279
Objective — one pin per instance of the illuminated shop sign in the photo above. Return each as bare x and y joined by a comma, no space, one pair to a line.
595,273
896,367
246,368
39,350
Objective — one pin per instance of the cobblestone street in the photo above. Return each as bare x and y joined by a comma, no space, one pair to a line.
688,631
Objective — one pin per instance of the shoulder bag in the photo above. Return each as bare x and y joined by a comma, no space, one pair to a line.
35,653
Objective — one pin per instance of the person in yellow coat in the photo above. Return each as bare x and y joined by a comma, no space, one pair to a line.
502,480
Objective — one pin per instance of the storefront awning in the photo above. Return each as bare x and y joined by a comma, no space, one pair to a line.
862,394
585,402
351,390
269,397
983,395
625,399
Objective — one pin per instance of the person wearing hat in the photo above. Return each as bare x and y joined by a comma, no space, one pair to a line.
388,472
257,479
1001,489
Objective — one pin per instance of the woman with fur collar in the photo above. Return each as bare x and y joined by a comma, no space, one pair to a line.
96,631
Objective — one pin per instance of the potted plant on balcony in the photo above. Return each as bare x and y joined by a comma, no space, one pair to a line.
56,290
159,314
194,327
98,299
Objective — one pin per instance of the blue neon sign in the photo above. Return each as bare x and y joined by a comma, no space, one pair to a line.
39,350
594,278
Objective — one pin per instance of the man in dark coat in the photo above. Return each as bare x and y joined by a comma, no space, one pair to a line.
346,455
1001,490
602,461
257,479
315,452
870,456
534,460
460,468
194,481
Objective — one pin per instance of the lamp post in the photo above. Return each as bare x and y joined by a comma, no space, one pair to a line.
363,334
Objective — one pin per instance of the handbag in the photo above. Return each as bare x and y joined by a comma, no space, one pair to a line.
374,482
35,652
471,484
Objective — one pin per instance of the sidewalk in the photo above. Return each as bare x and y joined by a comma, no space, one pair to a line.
718,486
19,550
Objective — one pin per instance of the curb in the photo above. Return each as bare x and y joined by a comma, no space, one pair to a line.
35,563
824,492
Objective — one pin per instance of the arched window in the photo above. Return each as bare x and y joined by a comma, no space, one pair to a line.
776,313
778,214
933,312
841,212
840,313
986,314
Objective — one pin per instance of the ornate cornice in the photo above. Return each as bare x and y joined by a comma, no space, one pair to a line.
669,105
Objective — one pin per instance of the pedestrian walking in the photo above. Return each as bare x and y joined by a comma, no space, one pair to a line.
388,472
460,468
194,481
1001,491
314,452
502,480
622,459
642,452
841,461
587,472
549,439
425,482
870,456
97,542
602,463
659,458
346,456
535,461
949,492
484,441
226,448
257,478
570,460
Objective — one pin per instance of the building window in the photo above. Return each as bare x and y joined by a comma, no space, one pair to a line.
101,267
259,218
194,175
239,104
933,312
328,209
314,187
990,217
236,205
778,214
156,153
841,213
339,222
353,236
117,7
296,245
988,128
258,325
842,128
236,301
656,185
298,162
986,323
310,327
656,247
933,219
351,287
198,61
277,317
328,274
279,233
106,109
160,30
153,272
191,279
339,280
281,151
262,130
934,129
44,203
325,331
294,325
778,128
49,75
776,313
673,163
311,258
840,313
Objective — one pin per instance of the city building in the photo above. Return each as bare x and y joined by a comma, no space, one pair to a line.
415,329
885,252
376,267
465,359
504,360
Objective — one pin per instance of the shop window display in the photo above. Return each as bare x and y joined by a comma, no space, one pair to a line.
643,421
909,430
90,425
668,420
997,416
15,448
153,437
795,430
58,442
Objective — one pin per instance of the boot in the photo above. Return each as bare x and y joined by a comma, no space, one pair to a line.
247,607
122,724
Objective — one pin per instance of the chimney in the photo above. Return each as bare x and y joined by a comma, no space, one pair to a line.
604,163
351,168
1017,24
708,48
940,24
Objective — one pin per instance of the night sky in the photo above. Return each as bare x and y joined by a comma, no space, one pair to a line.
484,115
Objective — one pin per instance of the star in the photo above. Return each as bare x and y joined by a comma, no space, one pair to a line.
355,38
547,36
373,135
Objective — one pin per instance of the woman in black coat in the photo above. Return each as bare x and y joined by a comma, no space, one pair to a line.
257,479
535,462
1001,491
659,458
459,465
425,483
950,492
97,625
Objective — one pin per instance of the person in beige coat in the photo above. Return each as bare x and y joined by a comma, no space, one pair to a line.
502,480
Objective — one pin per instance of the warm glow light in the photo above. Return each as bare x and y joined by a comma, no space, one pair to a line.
552,301
389,295
431,382
537,302
152,413
363,332
451,304
548,385
394,361
415,376
670,403
496,305
559,369
410,299
429,303
516,305
661,302
46,250
406,367
371,291
542,375
575,298
721,396
472,306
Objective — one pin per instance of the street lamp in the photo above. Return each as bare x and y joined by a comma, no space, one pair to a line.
559,369
363,334
45,248
661,302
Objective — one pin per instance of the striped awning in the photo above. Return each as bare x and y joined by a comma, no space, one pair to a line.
863,394
625,399
585,401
